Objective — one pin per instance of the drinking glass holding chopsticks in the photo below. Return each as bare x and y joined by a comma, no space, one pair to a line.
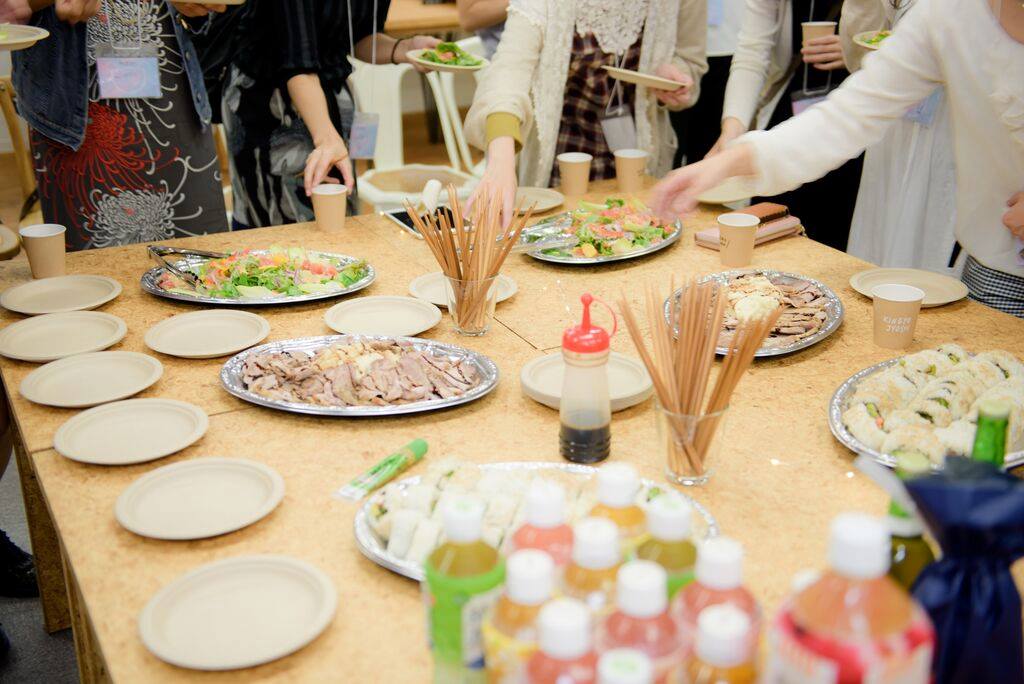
471,304
691,420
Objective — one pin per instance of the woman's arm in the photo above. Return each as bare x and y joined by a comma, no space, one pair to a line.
689,61
392,51
308,98
478,14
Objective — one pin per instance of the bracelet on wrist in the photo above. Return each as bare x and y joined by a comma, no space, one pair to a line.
394,49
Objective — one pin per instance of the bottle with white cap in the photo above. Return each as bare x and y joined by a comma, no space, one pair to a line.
641,618
545,528
565,652
510,631
596,557
617,488
669,545
854,621
624,666
722,654
718,578
463,582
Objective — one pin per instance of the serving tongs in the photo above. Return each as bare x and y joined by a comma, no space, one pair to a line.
159,254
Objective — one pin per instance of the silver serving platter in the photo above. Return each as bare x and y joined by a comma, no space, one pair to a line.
231,376
838,403
375,549
556,225
151,278
834,309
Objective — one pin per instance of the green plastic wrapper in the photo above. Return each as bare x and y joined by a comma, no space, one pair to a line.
385,471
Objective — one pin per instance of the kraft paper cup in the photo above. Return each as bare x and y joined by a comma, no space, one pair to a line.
896,308
574,168
330,201
736,234
44,244
817,29
629,169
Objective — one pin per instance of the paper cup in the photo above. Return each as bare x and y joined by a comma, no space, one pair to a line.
896,309
629,169
330,200
817,29
44,244
736,234
575,170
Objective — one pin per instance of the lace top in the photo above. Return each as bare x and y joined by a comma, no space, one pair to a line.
616,24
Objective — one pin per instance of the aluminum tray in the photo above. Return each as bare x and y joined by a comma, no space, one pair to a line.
151,278
231,376
837,405
373,548
556,225
834,309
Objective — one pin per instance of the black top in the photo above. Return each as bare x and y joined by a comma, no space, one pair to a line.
816,10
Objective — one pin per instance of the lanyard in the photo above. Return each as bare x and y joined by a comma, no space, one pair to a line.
616,94
828,83
122,46
373,36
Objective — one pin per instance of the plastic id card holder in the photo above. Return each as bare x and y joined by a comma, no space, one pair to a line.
127,73
362,139
619,128
804,100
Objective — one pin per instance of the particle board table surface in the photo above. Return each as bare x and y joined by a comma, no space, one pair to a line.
778,482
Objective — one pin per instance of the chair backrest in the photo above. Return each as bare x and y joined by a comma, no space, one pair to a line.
474,46
22,155
378,89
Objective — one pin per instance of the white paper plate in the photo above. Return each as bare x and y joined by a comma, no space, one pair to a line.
628,381
90,379
54,336
238,612
207,334
646,80
399,316
735,189
939,289
431,287
863,37
133,431
60,294
200,498
417,57
19,37
542,199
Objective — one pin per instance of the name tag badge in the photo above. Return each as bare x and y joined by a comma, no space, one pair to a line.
362,141
619,128
131,73
716,12
923,113
804,100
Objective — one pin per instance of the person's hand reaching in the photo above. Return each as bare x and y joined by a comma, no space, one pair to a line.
676,194
732,128
75,11
499,178
330,153
407,45
1013,219
680,97
825,53
194,9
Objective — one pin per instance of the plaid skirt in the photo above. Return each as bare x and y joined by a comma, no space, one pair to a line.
994,288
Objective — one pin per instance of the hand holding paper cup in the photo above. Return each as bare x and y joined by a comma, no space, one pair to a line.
44,244
330,201
574,168
629,169
817,29
736,234
896,308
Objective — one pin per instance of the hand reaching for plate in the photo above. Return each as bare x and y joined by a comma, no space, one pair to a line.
677,193
680,97
499,178
1013,219
406,45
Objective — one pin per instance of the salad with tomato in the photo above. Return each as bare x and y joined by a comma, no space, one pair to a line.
450,54
277,272
619,226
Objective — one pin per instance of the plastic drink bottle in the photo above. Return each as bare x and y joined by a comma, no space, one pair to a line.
624,666
721,654
585,409
545,528
641,620
854,624
566,653
669,545
718,578
990,439
596,556
463,582
510,632
617,486
909,553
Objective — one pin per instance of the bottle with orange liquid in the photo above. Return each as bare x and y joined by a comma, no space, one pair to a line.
510,632
721,653
669,545
596,556
855,623
641,620
617,487
545,528
566,651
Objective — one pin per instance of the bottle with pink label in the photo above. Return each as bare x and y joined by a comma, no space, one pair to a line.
545,528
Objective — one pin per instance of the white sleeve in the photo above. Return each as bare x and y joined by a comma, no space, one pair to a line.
902,73
752,59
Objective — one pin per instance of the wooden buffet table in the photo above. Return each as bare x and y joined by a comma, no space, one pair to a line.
778,483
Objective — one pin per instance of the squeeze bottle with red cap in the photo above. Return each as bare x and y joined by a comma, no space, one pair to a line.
586,410
566,650
545,528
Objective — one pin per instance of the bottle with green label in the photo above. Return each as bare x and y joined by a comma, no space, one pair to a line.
909,551
463,582
990,439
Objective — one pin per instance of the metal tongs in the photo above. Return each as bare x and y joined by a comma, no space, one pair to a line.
158,253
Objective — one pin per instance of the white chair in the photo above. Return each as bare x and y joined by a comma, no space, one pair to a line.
474,46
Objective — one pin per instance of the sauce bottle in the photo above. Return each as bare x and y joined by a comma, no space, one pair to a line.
668,521
617,486
641,619
585,410
463,582
855,622
718,578
545,527
909,553
596,556
721,654
624,666
565,654
510,632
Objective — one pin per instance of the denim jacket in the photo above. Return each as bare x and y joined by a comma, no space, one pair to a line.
51,79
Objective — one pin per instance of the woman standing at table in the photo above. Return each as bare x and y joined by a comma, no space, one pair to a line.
119,121
937,43
546,91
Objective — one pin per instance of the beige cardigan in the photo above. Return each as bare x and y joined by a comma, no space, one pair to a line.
527,78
